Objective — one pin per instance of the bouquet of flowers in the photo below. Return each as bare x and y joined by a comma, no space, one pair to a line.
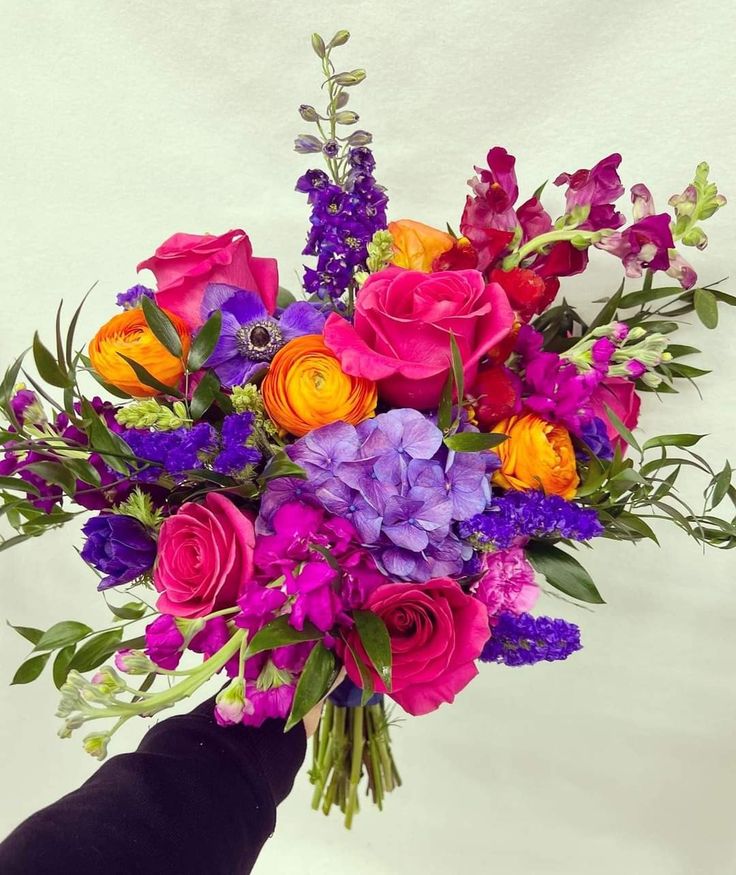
358,490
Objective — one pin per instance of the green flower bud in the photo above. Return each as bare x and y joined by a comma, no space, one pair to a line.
695,237
318,44
360,138
342,100
95,744
348,79
339,39
308,113
346,117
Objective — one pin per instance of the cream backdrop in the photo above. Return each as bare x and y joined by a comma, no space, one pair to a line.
123,122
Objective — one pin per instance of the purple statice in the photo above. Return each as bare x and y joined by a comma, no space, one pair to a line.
520,639
250,336
132,297
520,515
343,221
554,388
235,451
595,436
171,452
392,478
119,547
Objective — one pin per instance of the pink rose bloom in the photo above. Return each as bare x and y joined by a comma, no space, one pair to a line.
619,394
400,336
507,583
437,632
205,558
186,263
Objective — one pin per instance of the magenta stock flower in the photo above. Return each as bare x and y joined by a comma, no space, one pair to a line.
506,583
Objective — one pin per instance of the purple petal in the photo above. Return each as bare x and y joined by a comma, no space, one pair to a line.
237,370
215,295
245,307
301,318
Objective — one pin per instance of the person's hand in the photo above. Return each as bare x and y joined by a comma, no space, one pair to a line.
311,720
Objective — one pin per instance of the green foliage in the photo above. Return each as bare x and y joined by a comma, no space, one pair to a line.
563,572
161,326
376,642
318,675
205,342
278,633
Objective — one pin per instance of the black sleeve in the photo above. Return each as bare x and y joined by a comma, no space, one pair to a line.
194,798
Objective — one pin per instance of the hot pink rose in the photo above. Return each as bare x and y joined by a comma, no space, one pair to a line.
620,395
205,557
186,263
400,336
437,632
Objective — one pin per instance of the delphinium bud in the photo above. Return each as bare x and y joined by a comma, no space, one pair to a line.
308,113
306,143
339,39
318,44
346,117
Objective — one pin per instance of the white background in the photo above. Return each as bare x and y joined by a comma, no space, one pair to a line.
123,122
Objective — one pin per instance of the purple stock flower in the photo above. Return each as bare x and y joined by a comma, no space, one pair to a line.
119,547
598,189
643,245
164,642
250,337
235,453
520,639
132,297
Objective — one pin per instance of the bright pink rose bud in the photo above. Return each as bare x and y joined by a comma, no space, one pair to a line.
620,395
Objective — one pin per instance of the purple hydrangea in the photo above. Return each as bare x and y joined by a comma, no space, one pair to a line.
517,515
394,480
250,336
119,547
520,639
343,221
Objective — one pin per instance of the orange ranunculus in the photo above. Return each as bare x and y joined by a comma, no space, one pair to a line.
128,333
305,388
537,455
416,245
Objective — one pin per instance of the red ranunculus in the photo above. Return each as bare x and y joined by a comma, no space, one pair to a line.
528,293
437,632
400,337
498,390
186,263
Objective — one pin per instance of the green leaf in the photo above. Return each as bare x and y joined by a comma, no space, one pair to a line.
205,342
54,473
473,441
61,634
724,297
318,675
30,669
279,633
73,325
47,366
376,642
162,327
706,306
678,350
128,611
62,664
721,483
282,466
28,632
608,311
366,678
457,369
59,342
108,444
16,484
285,297
204,395
8,384
635,299
673,440
686,371
148,379
563,572
638,525
95,651
444,411
7,543
621,428
83,471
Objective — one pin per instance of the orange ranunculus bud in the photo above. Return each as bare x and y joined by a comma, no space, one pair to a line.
128,333
416,245
537,455
306,388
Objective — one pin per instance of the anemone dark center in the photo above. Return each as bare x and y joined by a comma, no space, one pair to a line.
260,340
